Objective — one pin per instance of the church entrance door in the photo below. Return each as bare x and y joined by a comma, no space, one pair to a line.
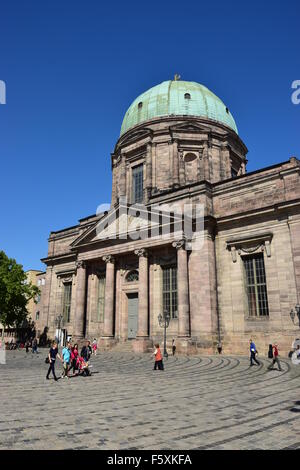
133,311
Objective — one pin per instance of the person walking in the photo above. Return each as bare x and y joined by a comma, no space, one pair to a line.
66,357
173,347
34,346
74,356
53,352
253,352
158,358
94,347
270,352
86,351
275,358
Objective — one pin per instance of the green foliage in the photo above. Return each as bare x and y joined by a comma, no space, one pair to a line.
15,292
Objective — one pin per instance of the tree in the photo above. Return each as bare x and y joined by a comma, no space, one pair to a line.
15,292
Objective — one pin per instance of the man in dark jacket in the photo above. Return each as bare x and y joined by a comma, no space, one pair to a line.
86,351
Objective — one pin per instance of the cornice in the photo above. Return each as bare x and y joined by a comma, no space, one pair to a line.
55,258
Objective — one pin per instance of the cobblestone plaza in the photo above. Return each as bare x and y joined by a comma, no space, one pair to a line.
208,402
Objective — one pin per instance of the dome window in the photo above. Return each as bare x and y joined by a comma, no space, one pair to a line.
187,96
140,105
227,110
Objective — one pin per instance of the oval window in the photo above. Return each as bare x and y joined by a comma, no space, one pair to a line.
190,157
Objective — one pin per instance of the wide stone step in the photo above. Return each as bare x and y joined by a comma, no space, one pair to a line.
125,346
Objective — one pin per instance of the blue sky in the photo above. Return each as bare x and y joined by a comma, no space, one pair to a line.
72,68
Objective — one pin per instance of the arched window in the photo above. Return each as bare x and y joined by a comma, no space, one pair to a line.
132,276
227,110
187,96
140,105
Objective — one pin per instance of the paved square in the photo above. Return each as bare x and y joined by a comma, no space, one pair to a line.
196,403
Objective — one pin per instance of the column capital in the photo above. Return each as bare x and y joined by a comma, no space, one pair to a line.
80,264
108,259
142,252
178,244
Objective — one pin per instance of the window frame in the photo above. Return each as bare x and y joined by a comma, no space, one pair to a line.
260,289
67,302
101,300
137,196
172,294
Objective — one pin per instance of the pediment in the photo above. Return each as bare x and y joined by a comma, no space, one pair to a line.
189,127
125,223
135,136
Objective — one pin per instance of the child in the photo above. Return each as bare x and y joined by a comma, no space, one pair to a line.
74,355
83,367
94,347
158,358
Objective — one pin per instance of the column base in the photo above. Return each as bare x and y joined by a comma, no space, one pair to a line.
185,346
106,343
142,345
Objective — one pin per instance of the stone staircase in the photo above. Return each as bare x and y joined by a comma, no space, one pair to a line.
125,346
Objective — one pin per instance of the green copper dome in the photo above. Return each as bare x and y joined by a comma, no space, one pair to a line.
177,98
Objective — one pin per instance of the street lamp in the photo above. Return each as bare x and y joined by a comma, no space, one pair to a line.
295,312
58,323
164,321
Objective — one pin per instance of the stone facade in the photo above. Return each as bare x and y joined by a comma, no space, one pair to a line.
185,160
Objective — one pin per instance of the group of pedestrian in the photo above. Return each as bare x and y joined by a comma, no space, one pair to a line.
272,354
71,359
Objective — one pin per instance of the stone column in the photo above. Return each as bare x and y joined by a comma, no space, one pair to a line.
183,290
143,293
122,176
143,342
206,162
181,169
226,159
148,172
175,164
80,300
108,328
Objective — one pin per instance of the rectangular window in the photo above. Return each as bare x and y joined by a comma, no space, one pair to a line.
255,277
170,290
67,301
137,184
101,298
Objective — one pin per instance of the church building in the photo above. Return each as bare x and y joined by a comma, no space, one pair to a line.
179,147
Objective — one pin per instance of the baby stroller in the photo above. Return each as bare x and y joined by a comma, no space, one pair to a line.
83,367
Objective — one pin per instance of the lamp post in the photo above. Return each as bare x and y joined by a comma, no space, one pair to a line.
295,312
58,323
164,321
